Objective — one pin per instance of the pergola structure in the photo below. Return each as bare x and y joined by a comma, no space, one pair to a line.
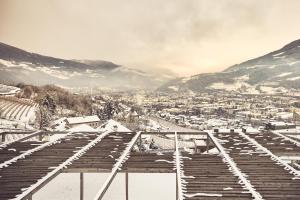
247,165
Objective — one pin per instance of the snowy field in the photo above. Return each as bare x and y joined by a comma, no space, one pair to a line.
141,187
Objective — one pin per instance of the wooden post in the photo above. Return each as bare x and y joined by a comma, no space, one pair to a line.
207,144
126,179
140,140
3,137
195,145
116,167
40,137
176,187
175,135
81,186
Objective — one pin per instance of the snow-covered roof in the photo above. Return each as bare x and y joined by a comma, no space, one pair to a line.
279,123
84,119
112,125
82,127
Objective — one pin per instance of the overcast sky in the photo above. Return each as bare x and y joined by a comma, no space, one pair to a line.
186,36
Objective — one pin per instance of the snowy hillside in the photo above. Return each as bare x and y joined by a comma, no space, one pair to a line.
17,65
276,71
16,111
8,90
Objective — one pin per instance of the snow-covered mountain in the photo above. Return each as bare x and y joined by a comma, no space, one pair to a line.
17,65
272,72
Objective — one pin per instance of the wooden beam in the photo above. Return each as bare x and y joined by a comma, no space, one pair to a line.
176,187
179,192
207,144
34,134
51,175
235,169
286,138
3,137
81,186
273,156
126,180
130,170
209,135
117,167
171,133
27,153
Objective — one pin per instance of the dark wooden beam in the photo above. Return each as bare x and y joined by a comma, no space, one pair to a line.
81,186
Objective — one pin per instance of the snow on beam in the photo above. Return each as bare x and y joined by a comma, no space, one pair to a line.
236,170
274,157
51,175
29,152
117,167
36,133
286,138
178,169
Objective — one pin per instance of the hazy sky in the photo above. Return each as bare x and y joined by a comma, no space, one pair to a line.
186,36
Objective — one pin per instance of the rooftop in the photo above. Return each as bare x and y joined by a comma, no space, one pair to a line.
240,169
84,119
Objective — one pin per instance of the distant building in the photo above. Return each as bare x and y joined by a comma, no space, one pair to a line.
296,117
92,121
279,125
132,117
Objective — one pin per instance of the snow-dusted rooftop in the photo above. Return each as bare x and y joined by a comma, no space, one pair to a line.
84,119
230,173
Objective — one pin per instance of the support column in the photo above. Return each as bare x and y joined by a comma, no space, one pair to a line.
3,137
40,136
126,178
81,186
176,187
207,144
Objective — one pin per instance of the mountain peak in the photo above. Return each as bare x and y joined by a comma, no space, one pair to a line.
294,44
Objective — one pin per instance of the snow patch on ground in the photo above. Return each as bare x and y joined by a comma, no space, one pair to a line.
238,85
255,66
272,90
228,87
278,54
293,78
284,74
186,79
273,66
7,63
54,73
173,88
129,70
11,64
243,78
279,57
293,63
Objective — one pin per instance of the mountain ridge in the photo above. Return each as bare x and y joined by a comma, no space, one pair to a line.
17,65
279,69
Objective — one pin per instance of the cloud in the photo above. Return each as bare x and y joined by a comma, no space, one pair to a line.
186,36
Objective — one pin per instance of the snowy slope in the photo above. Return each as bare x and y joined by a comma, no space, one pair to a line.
17,65
277,70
